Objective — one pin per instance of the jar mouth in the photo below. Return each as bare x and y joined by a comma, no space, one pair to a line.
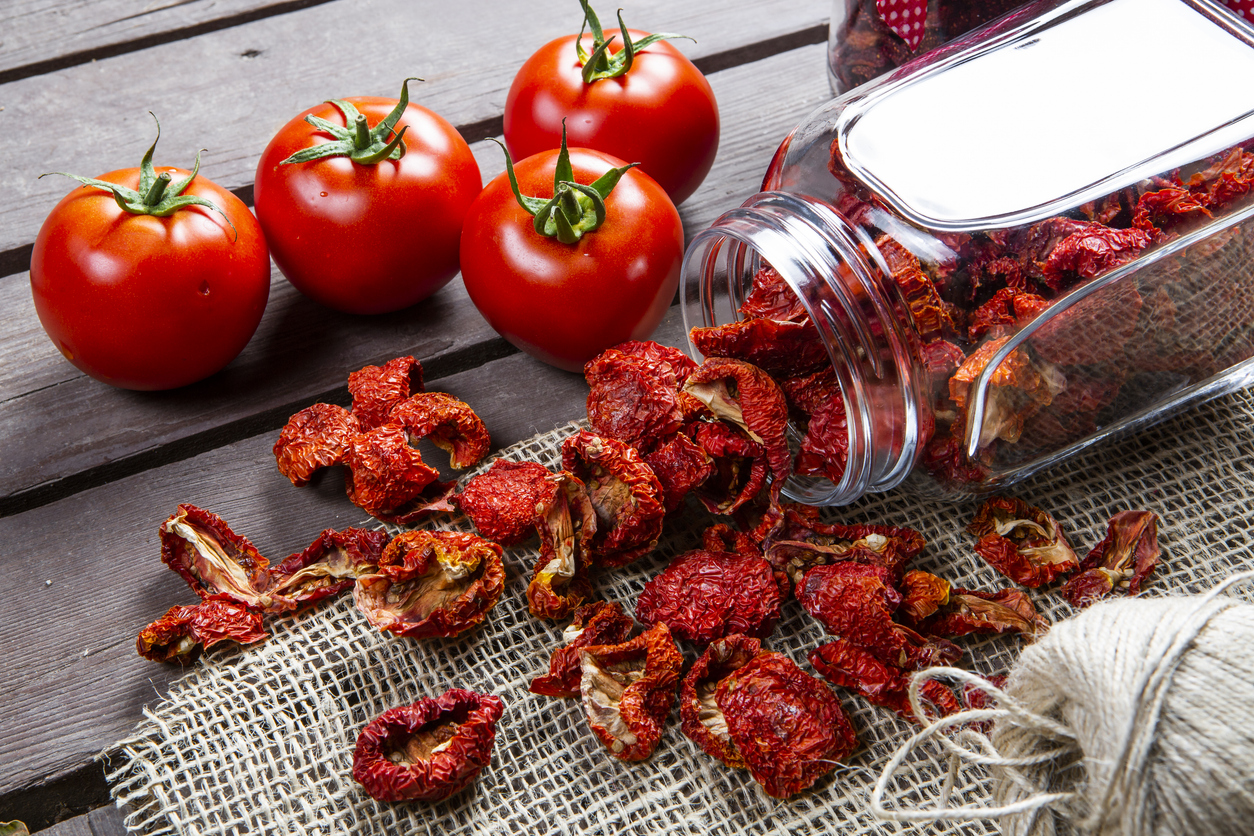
816,252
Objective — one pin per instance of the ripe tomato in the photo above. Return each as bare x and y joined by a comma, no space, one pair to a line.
146,302
367,238
566,303
660,113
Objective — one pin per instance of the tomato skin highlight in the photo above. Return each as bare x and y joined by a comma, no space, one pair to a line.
367,239
564,304
148,303
661,114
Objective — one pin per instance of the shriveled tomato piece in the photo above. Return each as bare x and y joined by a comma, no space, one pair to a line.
316,437
628,690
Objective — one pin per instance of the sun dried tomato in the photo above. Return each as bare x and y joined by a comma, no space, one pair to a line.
1168,208
853,603
601,622
1091,251
825,445
567,524
429,750
316,437
933,317
1228,179
447,422
181,634
625,493
1004,313
769,344
432,583
1022,542
850,666
969,611
800,542
706,595
701,718
388,479
502,500
922,594
771,297
1096,329
789,727
376,389
628,690
681,466
214,560
1017,388
329,565
737,463
1122,560
746,397
634,392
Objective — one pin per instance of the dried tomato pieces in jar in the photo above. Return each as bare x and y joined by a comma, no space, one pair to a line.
427,751
432,583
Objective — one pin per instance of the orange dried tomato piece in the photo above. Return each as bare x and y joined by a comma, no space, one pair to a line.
628,689
183,632
567,524
387,478
1022,542
625,493
376,389
701,718
316,437
215,561
601,622
502,501
1017,389
449,423
432,583
329,565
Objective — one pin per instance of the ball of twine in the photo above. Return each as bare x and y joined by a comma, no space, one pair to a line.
1135,717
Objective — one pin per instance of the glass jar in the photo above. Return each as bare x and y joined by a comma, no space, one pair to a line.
1009,250
863,45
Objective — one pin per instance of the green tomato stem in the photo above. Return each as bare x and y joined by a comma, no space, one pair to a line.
157,190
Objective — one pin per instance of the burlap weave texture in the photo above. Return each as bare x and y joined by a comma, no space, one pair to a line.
260,740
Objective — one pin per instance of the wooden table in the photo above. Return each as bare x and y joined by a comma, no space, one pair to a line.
88,472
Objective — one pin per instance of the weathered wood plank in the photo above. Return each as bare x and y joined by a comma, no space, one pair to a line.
229,91
74,612
302,350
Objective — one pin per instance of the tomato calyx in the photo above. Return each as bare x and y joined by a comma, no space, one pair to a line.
575,209
155,195
599,63
356,139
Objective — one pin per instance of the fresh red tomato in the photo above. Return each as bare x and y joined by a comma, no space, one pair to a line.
660,113
147,302
366,237
566,303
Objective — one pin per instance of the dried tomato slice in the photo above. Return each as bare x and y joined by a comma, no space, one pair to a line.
788,726
799,542
922,594
329,565
601,622
776,346
634,392
1018,387
181,634
748,398
1022,542
432,583
1122,560
681,466
429,750
376,389
316,437
449,423
502,500
628,690
387,478
567,524
706,595
701,718
737,463
214,560
771,297
968,611
846,664
625,493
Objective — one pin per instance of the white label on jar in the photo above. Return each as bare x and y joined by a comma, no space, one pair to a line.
1072,109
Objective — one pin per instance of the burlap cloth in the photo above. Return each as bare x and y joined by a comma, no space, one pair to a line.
260,740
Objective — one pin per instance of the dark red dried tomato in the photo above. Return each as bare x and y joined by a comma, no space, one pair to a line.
625,493
316,437
933,317
214,560
432,583
388,479
429,750
747,398
850,666
1022,542
628,690
329,565
447,422
701,719
634,392
773,345
376,389
799,542
738,466
771,297
1005,312
681,466
567,524
600,622
1091,251
181,634
789,727
706,595
969,611
852,603
1122,560
502,500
